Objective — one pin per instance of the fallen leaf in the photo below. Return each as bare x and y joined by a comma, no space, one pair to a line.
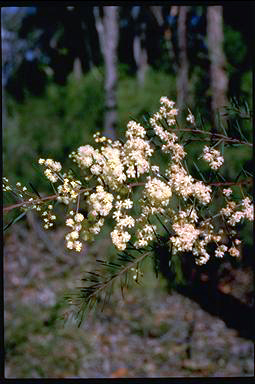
121,372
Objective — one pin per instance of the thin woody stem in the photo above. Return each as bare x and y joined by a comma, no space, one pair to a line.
54,197
229,183
215,135
37,201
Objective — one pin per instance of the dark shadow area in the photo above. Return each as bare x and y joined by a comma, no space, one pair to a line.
232,311
222,288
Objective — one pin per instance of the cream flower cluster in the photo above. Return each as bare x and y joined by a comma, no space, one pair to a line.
106,162
72,238
86,156
100,202
120,236
213,157
190,118
69,190
185,186
186,235
185,230
227,192
136,151
145,234
157,192
52,169
48,217
168,113
114,162
234,215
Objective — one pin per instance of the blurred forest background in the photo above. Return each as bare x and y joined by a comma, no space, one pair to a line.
68,72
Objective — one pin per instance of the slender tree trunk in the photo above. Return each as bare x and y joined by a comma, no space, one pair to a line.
140,55
77,68
139,48
218,77
108,32
183,64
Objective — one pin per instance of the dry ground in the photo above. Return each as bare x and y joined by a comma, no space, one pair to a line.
149,334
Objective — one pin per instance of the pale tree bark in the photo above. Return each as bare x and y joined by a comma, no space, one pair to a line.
218,76
140,56
183,64
139,48
157,12
77,68
108,32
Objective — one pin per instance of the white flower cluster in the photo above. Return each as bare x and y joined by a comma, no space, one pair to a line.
72,238
136,151
180,181
213,157
233,251
186,235
145,234
100,202
52,169
234,215
157,192
112,169
185,230
48,217
69,190
206,236
167,110
190,118
6,185
86,155
105,162
168,113
120,236
227,192
120,239
185,186
221,249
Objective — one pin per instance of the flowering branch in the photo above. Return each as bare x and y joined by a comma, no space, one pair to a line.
170,198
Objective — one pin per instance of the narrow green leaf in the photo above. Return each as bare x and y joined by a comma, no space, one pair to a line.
198,170
34,189
15,220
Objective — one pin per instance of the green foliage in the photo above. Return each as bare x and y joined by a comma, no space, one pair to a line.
134,101
53,126
67,116
246,87
234,47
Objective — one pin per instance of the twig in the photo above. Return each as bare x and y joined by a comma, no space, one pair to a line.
216,135
54,197
229,183
37,201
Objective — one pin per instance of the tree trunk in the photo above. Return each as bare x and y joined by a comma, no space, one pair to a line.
140,55
77,68
218,77
183,64
108,32
139,48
